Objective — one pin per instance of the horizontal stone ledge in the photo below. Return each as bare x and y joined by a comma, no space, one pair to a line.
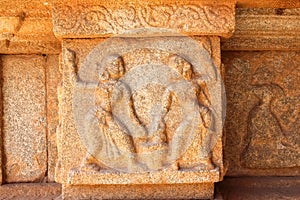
260,188
44,191
77,177
265,43
158,191
265,29
29,46
187,17
27,35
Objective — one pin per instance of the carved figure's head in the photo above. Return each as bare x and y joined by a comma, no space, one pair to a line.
182,66
267,92
112,67
263,75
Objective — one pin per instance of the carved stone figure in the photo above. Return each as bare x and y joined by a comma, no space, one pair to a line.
265,136
191,87
146,110
261,86
113,126
108,139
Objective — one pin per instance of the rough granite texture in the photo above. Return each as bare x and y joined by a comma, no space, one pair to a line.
98,19
71,150
174,191
39,142
263,111
260,188
161,177
1,126
24,118
26,28
66,160
30,191
53,77
265,29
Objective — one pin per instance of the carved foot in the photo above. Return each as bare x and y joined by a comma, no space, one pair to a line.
90,167
90,164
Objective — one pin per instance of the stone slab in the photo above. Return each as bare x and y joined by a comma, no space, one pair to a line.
24,35
78,177
66,159
68,139
268,4
174,191
34,8
260,188
26,27
43,8
265,29
102,19
20,191
262,127
53,79
24,118
1,128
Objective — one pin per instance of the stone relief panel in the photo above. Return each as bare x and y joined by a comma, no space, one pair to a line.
24,118
141,109
263,112
106,93
113,19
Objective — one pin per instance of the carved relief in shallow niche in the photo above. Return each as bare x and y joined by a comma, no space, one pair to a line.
139,108
263,95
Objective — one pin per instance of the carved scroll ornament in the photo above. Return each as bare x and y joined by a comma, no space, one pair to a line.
102,20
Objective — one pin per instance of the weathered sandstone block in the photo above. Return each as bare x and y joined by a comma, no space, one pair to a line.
111,18
263,113
24,118
140,111
53,81
146,106
265,29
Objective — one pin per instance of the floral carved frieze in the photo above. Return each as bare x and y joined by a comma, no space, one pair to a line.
93,21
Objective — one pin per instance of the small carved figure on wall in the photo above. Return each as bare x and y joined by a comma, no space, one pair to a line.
265,135
186,92
109,139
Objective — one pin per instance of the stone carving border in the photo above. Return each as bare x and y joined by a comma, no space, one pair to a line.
101,20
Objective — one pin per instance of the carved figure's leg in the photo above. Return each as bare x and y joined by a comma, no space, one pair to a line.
205,162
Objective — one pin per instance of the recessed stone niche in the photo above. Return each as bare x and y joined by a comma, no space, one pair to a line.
141,111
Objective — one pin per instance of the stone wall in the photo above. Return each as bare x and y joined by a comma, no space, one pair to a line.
259,49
